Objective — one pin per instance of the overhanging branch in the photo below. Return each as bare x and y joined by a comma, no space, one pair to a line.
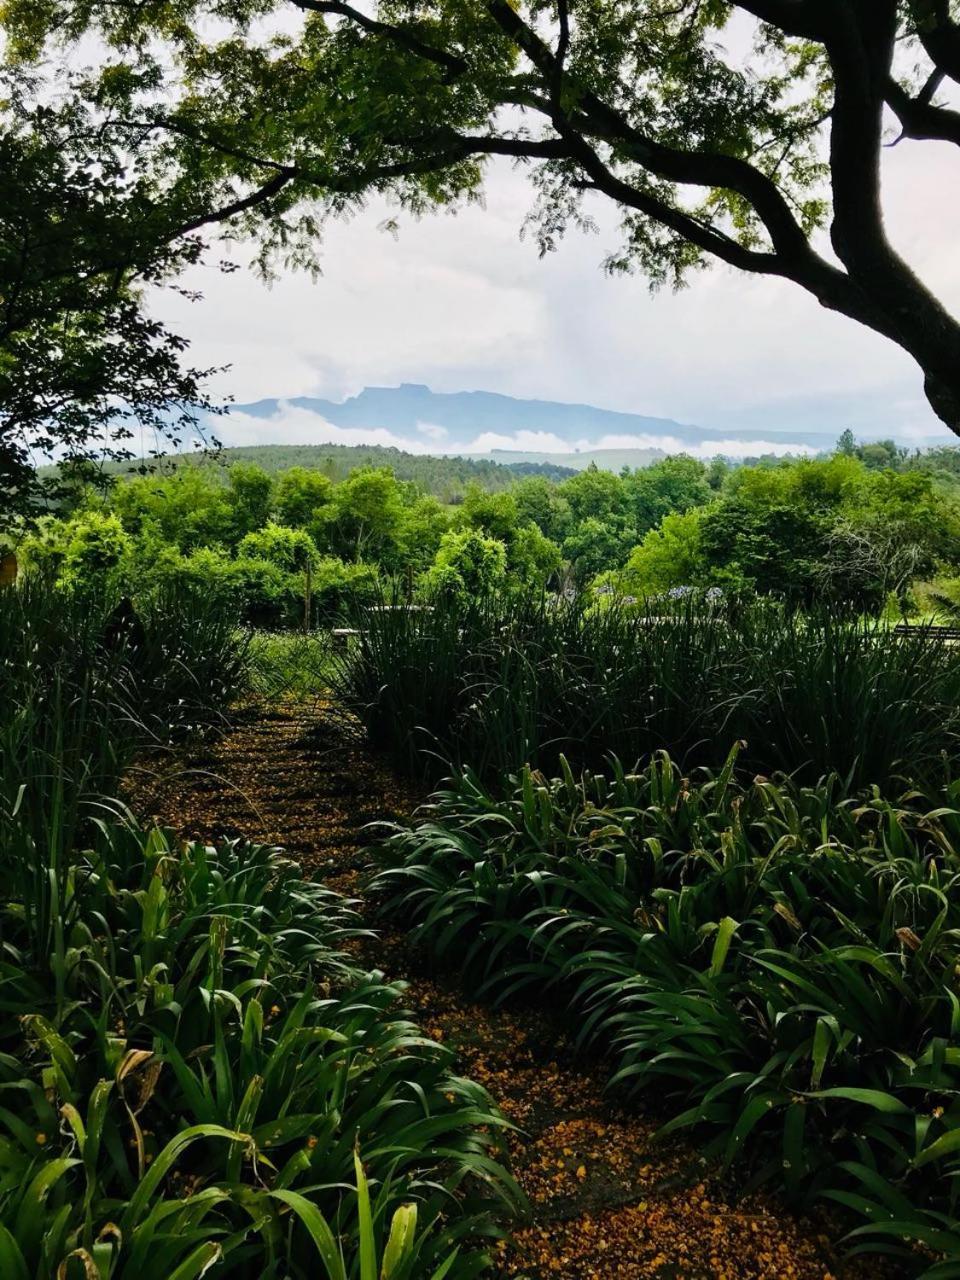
939,34
922,121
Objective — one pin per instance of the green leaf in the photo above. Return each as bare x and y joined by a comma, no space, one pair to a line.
368,1246
199,1262
721,945
319,1230
31,1219
399,1247
12,1263
164,1162
875,1098
946,1145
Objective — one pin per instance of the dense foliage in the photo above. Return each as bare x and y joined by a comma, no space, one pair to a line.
193,1077
516,681
774,964
88,223
729,129
863,532
445,477
834,529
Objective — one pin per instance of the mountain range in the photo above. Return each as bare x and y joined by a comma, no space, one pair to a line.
484,423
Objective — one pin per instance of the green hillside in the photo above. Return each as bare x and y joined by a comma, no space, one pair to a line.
444,477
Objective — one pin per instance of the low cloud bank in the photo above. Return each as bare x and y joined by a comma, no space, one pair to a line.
297,426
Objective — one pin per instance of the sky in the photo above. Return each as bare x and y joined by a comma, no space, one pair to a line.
462,302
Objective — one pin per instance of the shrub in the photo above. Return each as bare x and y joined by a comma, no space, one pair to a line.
219,1084
80,694
775,964
467,565
521,680
289,549
194,1077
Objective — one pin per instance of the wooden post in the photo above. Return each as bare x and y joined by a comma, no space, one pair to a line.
8,569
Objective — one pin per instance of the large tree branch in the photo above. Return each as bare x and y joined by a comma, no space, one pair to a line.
860,50
262,195
711,239
939,34
922,120
430,154
691,168
799,18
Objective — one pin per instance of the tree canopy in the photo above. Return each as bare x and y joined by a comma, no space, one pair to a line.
742,131
842,530
87,222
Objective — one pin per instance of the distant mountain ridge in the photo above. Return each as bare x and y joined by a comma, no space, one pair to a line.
464,415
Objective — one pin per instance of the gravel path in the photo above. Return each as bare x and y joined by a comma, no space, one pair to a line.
607,1202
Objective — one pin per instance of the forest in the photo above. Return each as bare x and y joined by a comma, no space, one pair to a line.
871,528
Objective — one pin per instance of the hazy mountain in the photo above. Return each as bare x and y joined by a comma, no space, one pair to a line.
455,421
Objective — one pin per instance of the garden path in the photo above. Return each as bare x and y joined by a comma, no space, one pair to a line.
608,1203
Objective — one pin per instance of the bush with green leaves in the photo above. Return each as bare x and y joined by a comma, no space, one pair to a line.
82,687
774,963
468,564
193,1084
194,1078
519,679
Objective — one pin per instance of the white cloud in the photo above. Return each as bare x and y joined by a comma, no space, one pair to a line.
432,431
460,303
708,449
292,425
750,449
525,441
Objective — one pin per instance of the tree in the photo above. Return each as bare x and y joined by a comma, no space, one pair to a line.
675,484
776,549
468,564
532,559
365,519
299,495
596,545
717,473
249,498
94,546
847,444
880,454
424,524
668,557
595,495
290,549
539,502
706,156
187,509
495,514
83,368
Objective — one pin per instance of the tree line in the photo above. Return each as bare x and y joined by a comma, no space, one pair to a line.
865,528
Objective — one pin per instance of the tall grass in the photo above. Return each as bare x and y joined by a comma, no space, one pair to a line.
76,703
776,965
499,683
